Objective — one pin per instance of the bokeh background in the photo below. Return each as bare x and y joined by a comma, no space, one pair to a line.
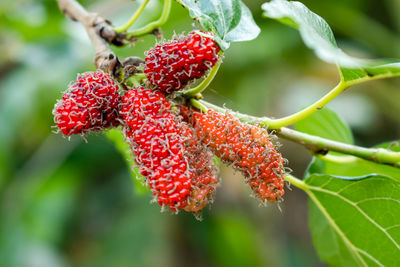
71,203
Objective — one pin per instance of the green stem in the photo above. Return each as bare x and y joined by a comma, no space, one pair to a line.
155,24
220,109
296,182
298,116
317,144
134,17
204,84
135,79
197,104
306,112
337,159
140,76
288,120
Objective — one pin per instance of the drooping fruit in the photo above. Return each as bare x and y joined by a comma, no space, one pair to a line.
204,178
247,147
166,151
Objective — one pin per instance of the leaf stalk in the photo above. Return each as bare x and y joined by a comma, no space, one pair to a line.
155,24
132,20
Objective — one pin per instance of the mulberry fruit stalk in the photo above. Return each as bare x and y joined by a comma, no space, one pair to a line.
247,147
89,104
166,151
171,66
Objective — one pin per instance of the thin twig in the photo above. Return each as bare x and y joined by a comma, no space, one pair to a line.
100,33
320,145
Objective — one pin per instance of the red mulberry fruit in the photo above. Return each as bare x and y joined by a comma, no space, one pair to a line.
248,148
166,151
171,66
89,104
204,173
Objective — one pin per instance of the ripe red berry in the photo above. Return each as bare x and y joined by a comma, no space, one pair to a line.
166,152
201,162
89,104
171,66
248,148
204,178
157,143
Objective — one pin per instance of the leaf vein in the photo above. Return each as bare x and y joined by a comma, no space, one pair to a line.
348,243
392,226
377,198
359,209
370,257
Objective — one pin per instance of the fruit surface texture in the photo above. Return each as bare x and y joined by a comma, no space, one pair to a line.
247,147
172,65
89,104
178,168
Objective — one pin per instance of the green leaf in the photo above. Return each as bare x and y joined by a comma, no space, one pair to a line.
318,36
327,124
230,20
344,165
116,136
393,145
355,223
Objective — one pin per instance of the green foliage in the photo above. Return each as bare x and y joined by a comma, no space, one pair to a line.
235,242
230,20
355,222
64,204
318,36
35,220
327,124
116,136
343,165
351,213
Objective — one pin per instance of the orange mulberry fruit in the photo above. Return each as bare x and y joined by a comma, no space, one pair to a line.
247,147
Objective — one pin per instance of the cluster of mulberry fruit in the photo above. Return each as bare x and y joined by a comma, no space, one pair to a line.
174,147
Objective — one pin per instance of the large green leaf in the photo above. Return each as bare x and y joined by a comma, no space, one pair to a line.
327,124
230,20
116,136
318,36
355,223
354,203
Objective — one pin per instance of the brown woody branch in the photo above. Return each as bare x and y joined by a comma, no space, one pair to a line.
100,33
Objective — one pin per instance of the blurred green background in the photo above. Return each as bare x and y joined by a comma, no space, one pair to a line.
71,203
